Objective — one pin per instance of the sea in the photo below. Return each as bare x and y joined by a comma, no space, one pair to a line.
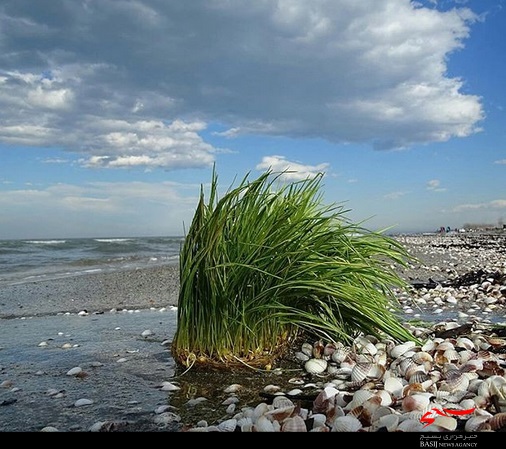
27,260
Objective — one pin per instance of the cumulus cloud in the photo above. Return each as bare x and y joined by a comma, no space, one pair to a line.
136,83
291,171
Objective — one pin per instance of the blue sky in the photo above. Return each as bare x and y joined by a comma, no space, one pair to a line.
113,112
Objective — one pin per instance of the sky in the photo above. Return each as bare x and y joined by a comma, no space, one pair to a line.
113,113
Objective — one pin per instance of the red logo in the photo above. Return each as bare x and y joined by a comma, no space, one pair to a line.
429,417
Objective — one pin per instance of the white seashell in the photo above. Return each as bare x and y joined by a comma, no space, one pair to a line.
228,425
282,402
315,366
294,424
74,371
307,348
410,425
234,388
346,423
263,424
476,423
445,423
415,402
49,429
389,422
169,386
394,386
401,349
302,356
82,402
146,333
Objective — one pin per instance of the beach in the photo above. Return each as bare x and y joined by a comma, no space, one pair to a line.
92,351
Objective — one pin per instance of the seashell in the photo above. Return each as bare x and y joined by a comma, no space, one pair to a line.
234,388
390,422
401,349
228,425
328,350
301,356
363,371
394,386
307,348
452,355
315,366
340,354
294,424
273,388
259,410
83,402
421,357
415,401
498,421
477,423
464,342
263,424
74,371
169,386
429,346
410,425
346,424
282,402
445,423
455,381
281,413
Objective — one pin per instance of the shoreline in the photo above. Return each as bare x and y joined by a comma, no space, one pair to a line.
123,371
140,288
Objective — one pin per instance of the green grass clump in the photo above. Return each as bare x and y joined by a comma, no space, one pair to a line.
269,262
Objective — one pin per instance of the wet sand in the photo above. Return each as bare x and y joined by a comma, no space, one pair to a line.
43,336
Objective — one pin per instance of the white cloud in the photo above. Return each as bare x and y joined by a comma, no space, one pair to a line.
114,80
434,185
500,162
395,195
292,171
495,204
71,210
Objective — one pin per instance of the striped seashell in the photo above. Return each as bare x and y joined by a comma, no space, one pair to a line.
294,424
263,424
477,423
315,366
364,345
444,345
452,355
420,377
410,425
282,402
346,424
416,401
466,343
228,425
281,413
340,355
421,357
498,422
456,381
